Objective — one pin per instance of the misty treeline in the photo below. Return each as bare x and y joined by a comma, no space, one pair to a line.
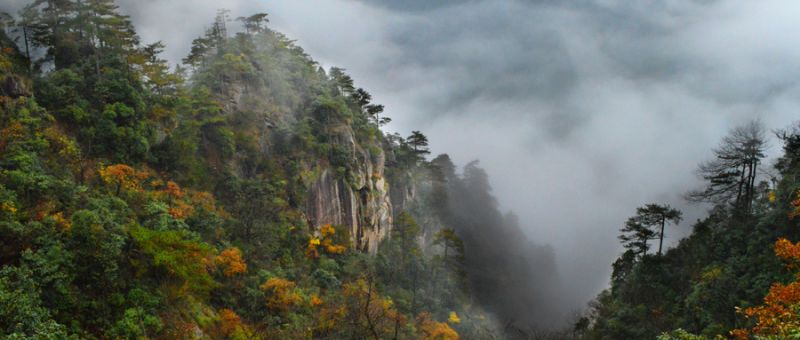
509,275
141,200
735,275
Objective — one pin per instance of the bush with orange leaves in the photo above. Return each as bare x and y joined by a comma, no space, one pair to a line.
779,316
231,262
282,294
434,330
121,176
184,202
230,326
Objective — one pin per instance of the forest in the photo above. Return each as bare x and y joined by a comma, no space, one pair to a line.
248,192
735,276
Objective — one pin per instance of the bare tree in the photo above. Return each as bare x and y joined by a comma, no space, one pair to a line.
731,175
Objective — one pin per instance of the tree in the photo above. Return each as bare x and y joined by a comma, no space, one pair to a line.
25,28
635,236
231,262
406,230
731,175
342,82
373,111
451,259
254,23
658,215
419,143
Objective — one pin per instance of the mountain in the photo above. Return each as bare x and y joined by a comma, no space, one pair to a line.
247,193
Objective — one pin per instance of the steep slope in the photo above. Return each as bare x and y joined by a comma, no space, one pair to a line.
245,195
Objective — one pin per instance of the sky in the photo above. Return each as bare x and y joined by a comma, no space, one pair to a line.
580,111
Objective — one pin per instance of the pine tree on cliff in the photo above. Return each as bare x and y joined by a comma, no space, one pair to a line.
731,175
419,143
657,216
635,236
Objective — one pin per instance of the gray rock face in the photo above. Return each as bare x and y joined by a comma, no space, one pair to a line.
362,203
14,87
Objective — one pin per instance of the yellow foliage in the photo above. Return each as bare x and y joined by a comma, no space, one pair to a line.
454,319
326,231
8,207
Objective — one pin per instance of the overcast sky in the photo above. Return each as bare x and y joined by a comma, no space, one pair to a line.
579,110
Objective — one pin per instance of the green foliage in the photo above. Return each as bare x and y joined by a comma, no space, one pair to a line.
725,264
176,258
122,184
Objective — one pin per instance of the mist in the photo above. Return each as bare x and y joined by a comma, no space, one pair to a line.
579,112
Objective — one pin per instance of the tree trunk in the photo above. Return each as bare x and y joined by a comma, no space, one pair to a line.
27,48
661,238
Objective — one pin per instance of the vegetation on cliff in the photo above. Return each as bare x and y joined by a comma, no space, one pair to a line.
725,278
243,194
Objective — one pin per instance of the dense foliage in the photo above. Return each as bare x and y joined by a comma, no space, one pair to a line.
725,278
140,201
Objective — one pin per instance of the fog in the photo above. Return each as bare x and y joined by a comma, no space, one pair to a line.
579,111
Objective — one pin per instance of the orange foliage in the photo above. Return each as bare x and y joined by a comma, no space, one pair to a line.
780,314
184,202
333,248
123,177
788,251
327,230
231,262
316,300
173,190
205,201
283,294
180,210
229,321
434,330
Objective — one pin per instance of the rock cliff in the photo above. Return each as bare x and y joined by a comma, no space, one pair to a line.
360,201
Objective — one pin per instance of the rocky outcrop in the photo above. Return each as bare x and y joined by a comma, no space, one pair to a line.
14,86
359,200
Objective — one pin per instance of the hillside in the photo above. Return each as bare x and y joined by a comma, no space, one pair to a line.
735,275
247,193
